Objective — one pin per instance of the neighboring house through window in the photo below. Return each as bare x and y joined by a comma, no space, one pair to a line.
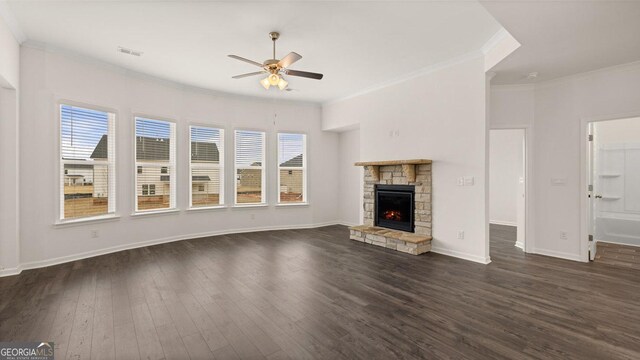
206,166
292,168
87,162
155,164
249,167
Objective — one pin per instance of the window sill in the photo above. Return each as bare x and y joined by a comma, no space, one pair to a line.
154,212
249,206
87,220
284,205
205,208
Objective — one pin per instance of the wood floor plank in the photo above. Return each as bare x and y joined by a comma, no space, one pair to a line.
126,342
149,344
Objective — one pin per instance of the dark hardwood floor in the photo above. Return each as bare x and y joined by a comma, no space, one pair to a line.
624,256
304,294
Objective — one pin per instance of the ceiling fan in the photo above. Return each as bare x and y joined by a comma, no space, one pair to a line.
275,68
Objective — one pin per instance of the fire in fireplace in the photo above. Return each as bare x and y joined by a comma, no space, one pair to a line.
394,206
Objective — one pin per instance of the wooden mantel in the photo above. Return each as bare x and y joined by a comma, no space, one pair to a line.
408,167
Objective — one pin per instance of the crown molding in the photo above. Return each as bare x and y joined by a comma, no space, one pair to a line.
494,40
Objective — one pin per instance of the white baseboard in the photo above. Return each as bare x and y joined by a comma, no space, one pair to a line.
500,222
520,244
558,254
461,255
10,271
109,250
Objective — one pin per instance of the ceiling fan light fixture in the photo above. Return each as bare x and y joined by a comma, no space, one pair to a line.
274,79
282,84
265,82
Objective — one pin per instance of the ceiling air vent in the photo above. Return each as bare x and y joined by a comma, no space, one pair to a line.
127,51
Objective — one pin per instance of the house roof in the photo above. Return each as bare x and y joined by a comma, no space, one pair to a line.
148,148
204,151
100,151
295,161
152,148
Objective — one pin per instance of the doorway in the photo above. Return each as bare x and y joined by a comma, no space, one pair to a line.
507,194
613,174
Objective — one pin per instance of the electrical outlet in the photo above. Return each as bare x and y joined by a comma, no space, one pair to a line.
461,181
563,235
94,233
461,235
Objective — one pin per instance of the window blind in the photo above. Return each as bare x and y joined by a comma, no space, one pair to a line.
206,166
249,167
155,164
292,169
87,166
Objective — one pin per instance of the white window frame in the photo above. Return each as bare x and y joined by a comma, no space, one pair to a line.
262,167
303,168
171,165
219,166
110,162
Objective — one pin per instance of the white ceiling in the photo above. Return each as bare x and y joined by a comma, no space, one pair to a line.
561,38
357,45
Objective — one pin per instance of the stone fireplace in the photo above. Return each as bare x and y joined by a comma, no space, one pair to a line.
397,205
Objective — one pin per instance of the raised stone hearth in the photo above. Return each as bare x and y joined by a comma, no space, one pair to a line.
397,172
391,239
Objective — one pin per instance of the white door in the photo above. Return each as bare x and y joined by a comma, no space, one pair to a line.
520,201
592,193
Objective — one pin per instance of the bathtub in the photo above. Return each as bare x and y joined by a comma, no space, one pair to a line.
618,228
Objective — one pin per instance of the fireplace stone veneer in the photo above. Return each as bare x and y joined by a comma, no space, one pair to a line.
397,172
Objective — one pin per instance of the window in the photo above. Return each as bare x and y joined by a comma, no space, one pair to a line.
87,166
292,168
206,166
155,156
249,167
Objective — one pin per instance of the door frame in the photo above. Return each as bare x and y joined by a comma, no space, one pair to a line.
584,176
529,239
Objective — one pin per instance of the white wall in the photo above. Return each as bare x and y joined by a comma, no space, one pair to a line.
559,108
48,77
9,57
438,116
620,131
9,184
506,169
350,183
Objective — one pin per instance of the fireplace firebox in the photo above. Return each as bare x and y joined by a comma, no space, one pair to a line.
394,207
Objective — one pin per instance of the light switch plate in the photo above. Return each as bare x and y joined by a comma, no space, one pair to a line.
469,180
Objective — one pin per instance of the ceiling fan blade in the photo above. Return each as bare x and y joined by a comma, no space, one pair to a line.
305,74
248,74
289,59
245,60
